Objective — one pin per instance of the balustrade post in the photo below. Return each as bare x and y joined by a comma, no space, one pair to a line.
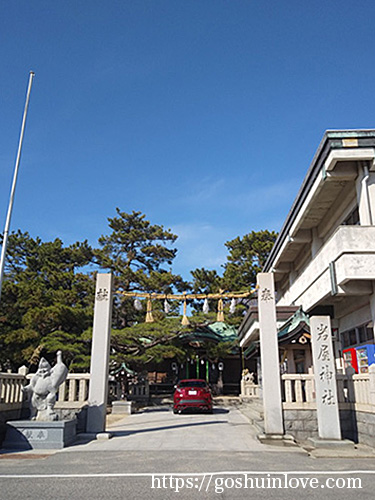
62,390
371,373
298,390
349,371
23,370
7,391
340,388
72,389
82,391
288,391
309,386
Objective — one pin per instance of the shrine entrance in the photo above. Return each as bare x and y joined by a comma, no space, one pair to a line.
197,365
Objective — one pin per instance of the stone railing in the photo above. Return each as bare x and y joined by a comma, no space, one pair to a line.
354,391
249,389
139,391
357,391
72,393
298,390
11,395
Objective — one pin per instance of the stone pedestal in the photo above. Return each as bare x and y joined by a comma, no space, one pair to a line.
121,407
31,434
337,444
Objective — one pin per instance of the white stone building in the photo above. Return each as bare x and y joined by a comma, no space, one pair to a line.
324,258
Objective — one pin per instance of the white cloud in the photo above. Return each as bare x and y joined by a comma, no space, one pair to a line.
231,194
199,245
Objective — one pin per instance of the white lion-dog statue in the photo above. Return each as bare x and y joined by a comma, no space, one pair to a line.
43,388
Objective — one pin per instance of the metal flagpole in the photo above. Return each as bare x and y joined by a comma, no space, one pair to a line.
11,200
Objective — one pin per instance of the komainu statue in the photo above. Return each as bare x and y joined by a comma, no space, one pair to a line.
43,388
247,376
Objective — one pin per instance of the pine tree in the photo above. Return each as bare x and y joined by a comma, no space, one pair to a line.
140,256
46,302
247,256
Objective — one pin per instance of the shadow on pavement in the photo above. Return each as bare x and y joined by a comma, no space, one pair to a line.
154,410
190,411
161,428
221,410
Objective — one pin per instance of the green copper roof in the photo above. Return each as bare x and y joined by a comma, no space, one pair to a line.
125,368
226,332
293,322
217,332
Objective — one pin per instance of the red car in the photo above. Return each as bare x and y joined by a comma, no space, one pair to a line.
192,393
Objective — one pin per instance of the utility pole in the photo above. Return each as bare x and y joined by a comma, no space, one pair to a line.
13,190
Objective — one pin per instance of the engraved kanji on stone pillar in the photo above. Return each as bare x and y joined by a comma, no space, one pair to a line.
325,378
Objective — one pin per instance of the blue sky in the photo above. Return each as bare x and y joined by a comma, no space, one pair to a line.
202,114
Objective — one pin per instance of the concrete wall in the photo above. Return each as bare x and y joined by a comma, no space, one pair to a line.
352,248
364,427
356,426
70,413
5,416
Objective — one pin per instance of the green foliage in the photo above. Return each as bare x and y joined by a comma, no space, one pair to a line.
48,294
247,256
139,254
45,300
148,342
215,352
136,252
206,281
166,338
200,318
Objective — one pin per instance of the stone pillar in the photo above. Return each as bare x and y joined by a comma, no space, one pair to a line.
308,359
316,243
371,373
325,378
269,351
371,195
23,370
365,186
99,369
290,360
372,307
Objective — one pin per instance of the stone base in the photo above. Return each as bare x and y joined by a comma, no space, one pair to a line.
31,434
121,407
331,443
86,437
277,439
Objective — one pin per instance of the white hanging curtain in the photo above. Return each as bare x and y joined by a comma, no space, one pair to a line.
232,307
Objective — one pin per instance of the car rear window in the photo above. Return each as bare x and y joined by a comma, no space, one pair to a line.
192,383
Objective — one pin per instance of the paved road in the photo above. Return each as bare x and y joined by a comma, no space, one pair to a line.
159,429
158,442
